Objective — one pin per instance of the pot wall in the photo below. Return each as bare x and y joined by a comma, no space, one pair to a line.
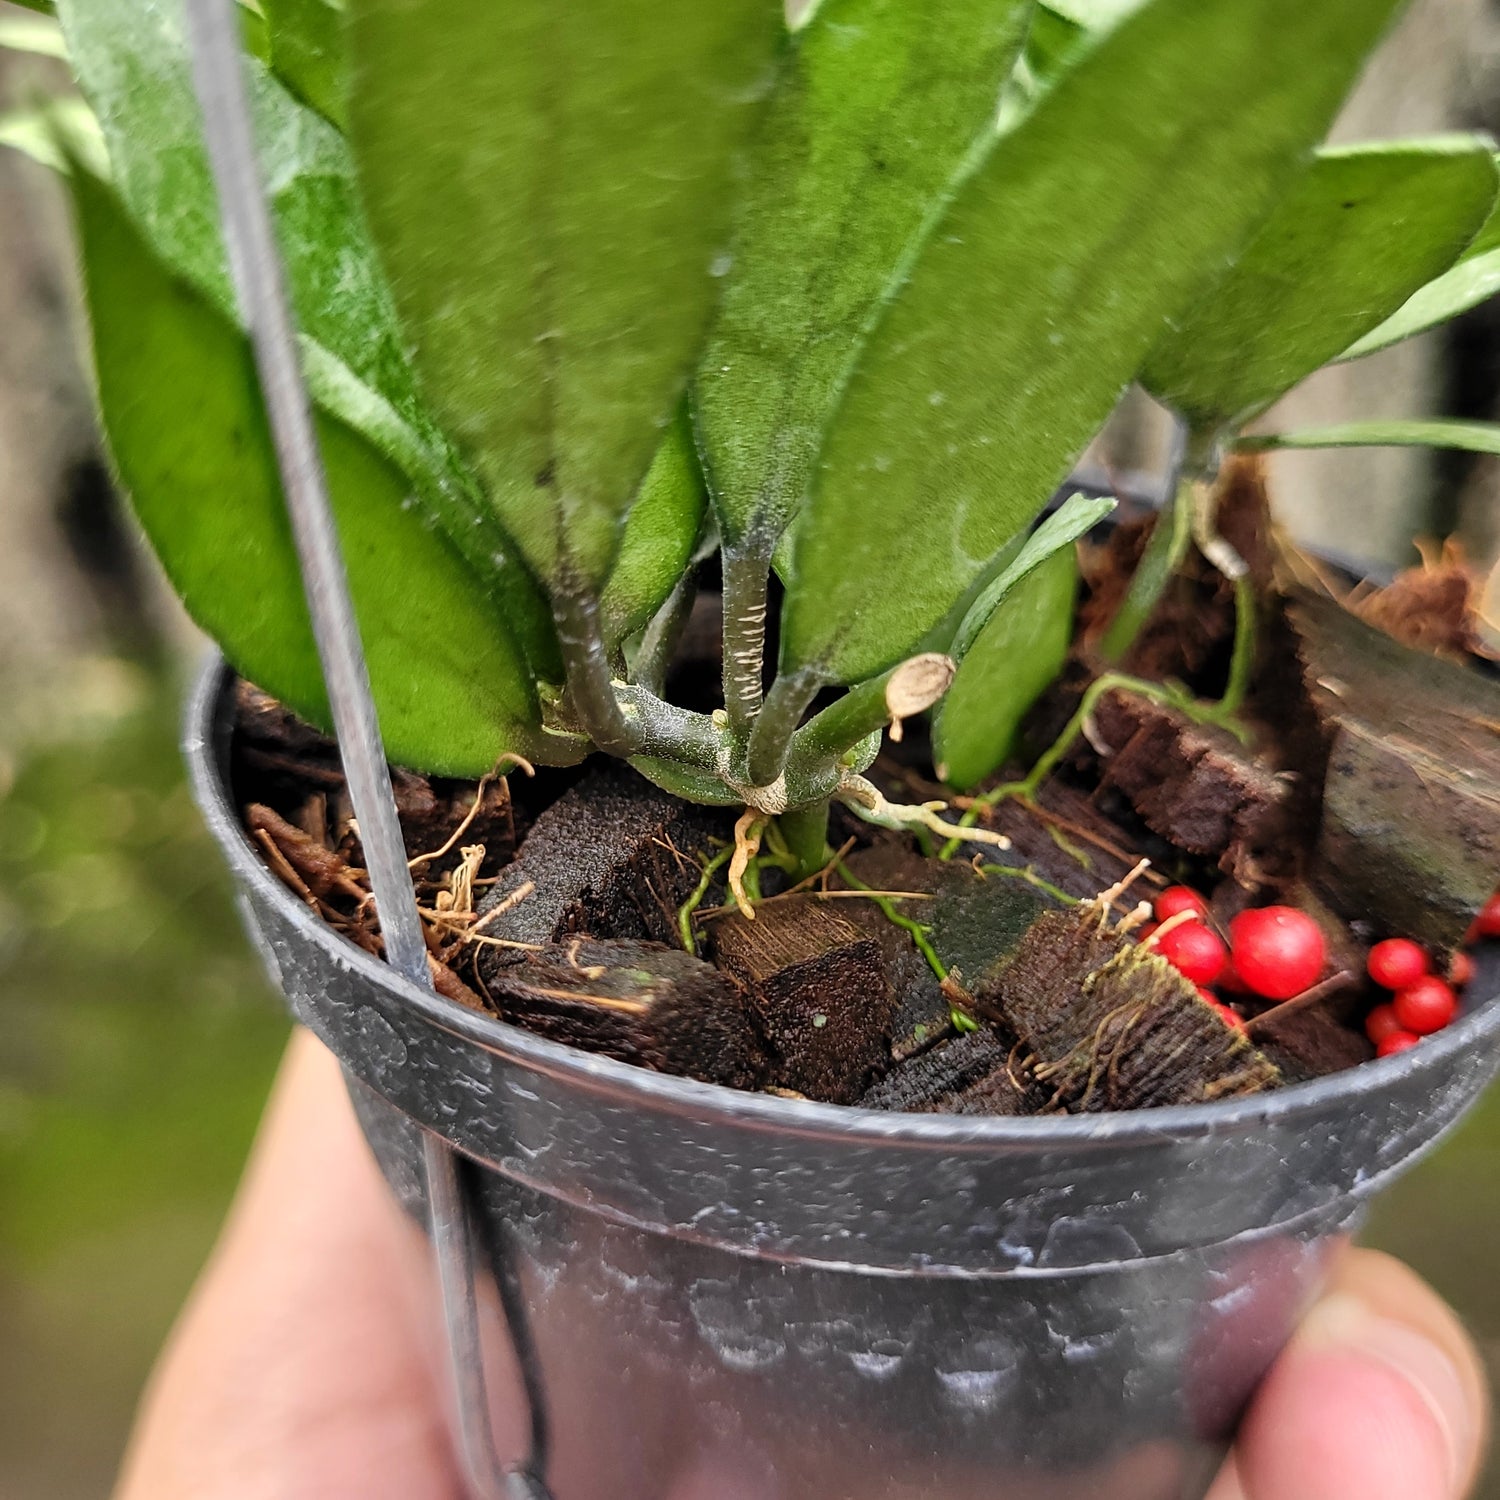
793,1301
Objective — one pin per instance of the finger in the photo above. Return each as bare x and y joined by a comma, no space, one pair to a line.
1380,1394
297,1368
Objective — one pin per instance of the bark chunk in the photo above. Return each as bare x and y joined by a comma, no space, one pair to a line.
818,991
1106,1024
640,1002
1410,834
965,1075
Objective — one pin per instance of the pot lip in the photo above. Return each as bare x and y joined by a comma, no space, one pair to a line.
671,1094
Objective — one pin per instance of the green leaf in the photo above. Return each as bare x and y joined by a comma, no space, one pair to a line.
1039,296
1475,279
307,52
1010,664
188,434
1071,520
44,6
132,63
1353,238
661,534
879,105
1470,437
549,185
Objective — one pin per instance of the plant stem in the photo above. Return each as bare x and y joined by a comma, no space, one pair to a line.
746,579
1243,658
661,636
1192,460
860,713
771,735
805,830
590,687
908,924
693,902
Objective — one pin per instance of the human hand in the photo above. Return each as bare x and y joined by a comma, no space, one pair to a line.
295,1373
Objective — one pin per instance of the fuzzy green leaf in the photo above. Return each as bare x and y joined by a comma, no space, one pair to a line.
1091,222
1010,664
452,689
1078,516
1475,279
132,62
877,109
1353,238
549,185
307,52
661,533
1468,437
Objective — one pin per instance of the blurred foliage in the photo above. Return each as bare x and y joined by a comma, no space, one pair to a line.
137,1041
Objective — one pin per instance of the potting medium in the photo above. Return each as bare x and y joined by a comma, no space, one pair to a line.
738,1295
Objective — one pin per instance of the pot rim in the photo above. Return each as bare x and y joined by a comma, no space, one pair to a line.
670,1093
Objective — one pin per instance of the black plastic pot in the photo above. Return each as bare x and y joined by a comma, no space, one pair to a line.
737,1296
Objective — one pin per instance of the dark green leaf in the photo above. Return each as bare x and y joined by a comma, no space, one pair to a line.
1039,296
1011,663
549,184
44,6
183,414
1061,529
1475,279
877,109
1469,437
661,533
1353,238
307,52
132,63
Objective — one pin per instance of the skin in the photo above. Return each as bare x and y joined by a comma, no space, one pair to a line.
294,1373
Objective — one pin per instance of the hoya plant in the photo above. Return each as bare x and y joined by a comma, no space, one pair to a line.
599,301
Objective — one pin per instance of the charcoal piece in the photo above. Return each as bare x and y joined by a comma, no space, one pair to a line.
1104,1023
1409,836
963,1075
641,1002
612,858
818,992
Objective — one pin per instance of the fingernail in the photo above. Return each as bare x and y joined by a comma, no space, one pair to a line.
1346,1322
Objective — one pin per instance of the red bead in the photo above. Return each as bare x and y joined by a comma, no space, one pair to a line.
1277,951
1426,1006
1179,898
1460,970
1487,923
1194,952
1397,1041
1229,1016
1396,963
1381,1023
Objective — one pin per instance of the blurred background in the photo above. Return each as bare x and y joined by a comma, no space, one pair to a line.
137,1034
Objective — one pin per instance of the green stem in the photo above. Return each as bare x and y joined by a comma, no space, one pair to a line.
860,713
805,830
746,579
661,635
888,910
1165,548
771,736
693,902
1243,660
590,686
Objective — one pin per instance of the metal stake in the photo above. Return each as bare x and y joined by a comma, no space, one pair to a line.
260,285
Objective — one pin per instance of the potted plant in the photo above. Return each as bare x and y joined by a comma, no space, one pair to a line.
603,305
